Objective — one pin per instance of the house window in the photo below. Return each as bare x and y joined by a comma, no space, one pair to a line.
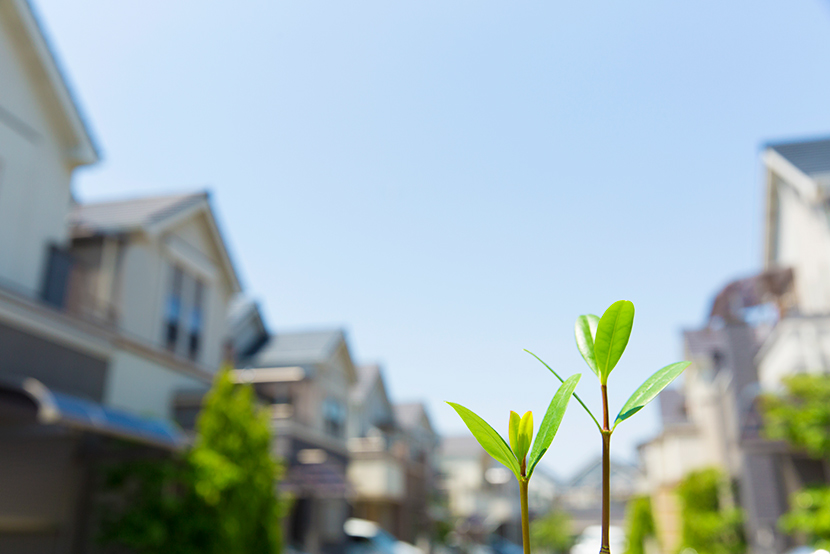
196,320
184,315
173,310
334,417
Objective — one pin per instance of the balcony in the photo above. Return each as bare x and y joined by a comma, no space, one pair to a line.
79,289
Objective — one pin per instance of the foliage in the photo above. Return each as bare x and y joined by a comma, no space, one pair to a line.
639,522
552,532
163,512
220,497
810,514
707,526
521,432
514,455
802,415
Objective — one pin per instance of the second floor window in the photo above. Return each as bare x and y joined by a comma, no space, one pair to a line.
196,316
173,310
184,314
334,417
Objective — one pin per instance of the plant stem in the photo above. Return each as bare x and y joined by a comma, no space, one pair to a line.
605,547
525,516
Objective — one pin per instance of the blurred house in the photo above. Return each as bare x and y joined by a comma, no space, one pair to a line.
377,469
760,329
392,451
581,496
107,311
421,446
306,377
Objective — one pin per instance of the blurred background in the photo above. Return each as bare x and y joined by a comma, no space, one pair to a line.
363,210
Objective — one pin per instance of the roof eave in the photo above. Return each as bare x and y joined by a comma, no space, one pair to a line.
82,150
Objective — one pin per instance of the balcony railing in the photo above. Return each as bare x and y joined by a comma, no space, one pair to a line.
78,290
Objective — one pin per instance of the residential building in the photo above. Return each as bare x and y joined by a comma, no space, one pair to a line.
421,443
482,495
306,378
107,311
378,466
760,329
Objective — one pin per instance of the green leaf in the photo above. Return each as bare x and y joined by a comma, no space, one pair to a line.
525,435
550,423
613,331
488,438
650,389
513,431
585,331
578,399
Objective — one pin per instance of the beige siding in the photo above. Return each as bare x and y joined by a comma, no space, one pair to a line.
144,387
34,179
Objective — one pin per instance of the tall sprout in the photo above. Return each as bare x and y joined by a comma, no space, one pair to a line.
514,456
602,341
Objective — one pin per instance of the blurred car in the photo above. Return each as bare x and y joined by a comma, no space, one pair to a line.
503,546
367,537
590,540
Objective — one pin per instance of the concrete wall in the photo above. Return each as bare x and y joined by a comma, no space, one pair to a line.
34,175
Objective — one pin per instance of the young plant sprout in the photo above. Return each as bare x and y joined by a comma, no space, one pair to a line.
602,341
515,456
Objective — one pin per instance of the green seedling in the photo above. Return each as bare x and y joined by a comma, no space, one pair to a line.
518,456
602,341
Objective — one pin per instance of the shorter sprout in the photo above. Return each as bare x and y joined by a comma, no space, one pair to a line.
521,434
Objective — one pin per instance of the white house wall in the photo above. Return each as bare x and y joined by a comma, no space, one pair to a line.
378,479
146,273
802,241
799,345
144,278
144,387
34,176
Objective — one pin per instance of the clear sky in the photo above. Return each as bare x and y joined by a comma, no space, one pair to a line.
453,181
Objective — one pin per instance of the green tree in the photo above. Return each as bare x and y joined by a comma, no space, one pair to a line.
220,497
707,526
552,533
801,416
639,522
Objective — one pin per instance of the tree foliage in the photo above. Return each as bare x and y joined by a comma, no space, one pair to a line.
810,514
552,532
639,522
707,526
219,497
801,416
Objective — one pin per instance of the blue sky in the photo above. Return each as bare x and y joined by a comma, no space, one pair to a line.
454,181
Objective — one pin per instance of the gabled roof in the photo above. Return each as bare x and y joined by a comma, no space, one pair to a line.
591,474
151,215
411,414
811,157
289,349
29,33
460,447
135,214
367,376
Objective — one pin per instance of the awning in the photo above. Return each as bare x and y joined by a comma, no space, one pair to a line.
28,400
